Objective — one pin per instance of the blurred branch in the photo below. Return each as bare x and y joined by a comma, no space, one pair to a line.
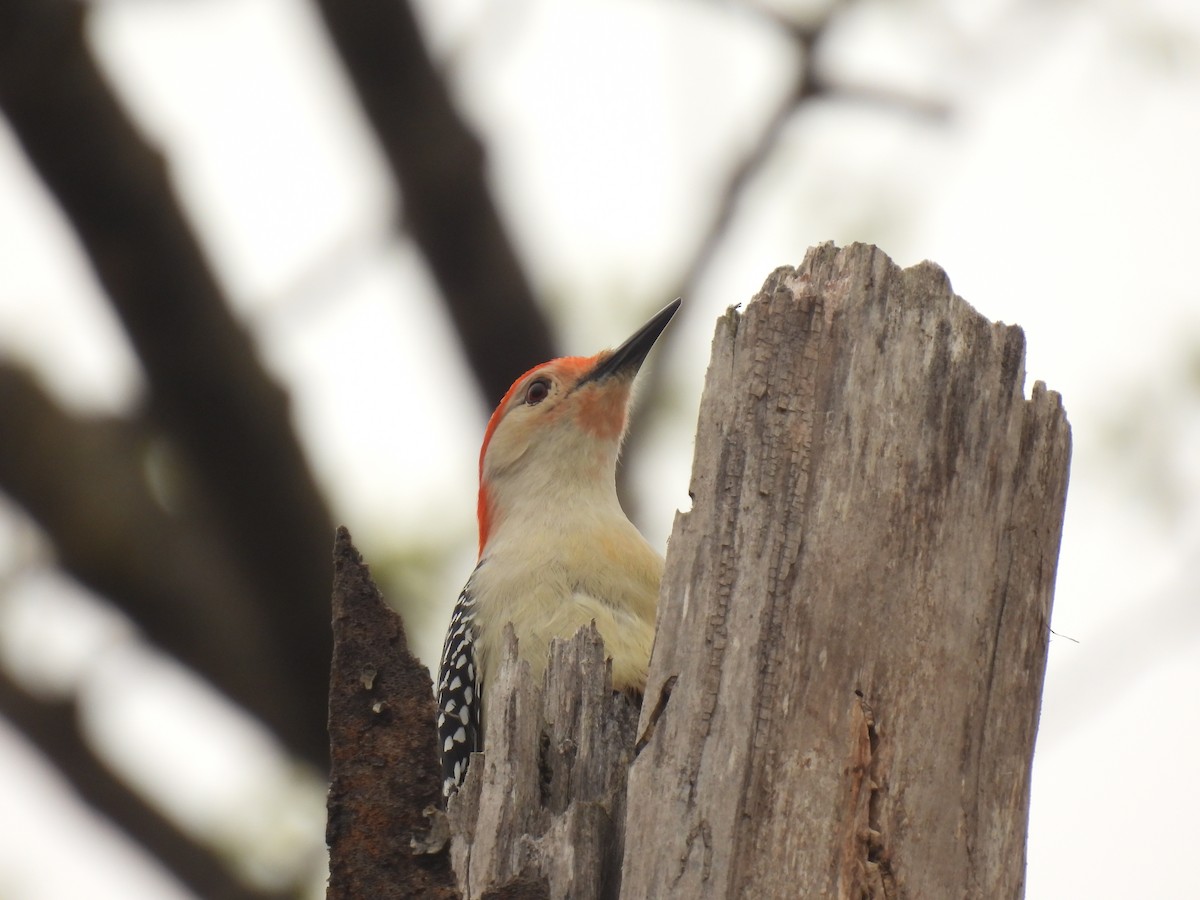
439,165
814,84
810,85
82,481
207,387
52,727
739,175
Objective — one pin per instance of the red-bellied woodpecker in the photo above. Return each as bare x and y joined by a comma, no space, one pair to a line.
556,551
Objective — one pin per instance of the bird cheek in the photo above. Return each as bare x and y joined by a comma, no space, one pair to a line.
601,414
505,450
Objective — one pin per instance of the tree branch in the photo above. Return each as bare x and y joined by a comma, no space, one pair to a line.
83,481
207,387
52,727
439,165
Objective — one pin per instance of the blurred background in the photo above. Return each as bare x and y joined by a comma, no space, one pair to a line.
265,265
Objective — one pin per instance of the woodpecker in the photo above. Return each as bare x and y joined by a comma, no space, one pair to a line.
556,551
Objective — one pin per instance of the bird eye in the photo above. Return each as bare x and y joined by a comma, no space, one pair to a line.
537,392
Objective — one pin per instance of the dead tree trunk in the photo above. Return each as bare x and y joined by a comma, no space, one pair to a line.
853,626
852,630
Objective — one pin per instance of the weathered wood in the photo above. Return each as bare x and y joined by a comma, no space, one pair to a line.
383,744
852,634
542,811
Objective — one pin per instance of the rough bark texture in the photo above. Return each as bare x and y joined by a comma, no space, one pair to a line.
852,634
541,814
383,745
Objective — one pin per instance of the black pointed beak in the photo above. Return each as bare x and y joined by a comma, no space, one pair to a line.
628,358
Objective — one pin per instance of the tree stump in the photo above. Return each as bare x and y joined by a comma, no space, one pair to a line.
853,626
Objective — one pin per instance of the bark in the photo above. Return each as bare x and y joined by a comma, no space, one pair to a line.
852,632
383,744
542,811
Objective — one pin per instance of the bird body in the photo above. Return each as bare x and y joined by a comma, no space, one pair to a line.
556,551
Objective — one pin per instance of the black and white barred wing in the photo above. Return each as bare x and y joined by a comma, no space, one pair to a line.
458,697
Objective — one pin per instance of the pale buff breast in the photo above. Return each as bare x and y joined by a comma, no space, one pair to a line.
613,582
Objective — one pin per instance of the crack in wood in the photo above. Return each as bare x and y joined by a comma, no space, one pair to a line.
867,864
664,697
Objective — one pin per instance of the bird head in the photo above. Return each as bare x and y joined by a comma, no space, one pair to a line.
557,432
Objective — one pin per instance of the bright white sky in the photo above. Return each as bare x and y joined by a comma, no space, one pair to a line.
1062,195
